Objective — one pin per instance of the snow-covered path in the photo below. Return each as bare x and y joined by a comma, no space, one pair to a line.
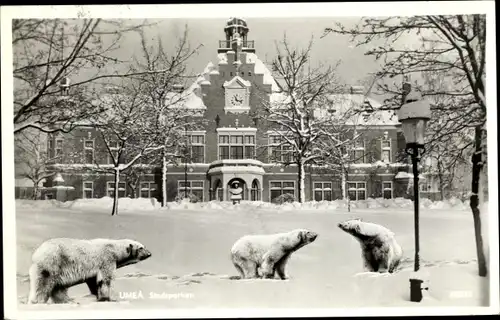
190,266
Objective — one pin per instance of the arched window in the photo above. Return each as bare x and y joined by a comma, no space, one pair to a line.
255,192
218,191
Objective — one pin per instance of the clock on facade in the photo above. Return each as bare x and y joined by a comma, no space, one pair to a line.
237,99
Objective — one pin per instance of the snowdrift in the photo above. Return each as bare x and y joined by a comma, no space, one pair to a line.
124,204
144,204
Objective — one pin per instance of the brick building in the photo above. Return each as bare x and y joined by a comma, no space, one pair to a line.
235,146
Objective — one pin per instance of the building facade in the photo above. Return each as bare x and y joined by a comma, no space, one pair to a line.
234,145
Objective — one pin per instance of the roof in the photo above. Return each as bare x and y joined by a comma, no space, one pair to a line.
342,104
232,22
351,108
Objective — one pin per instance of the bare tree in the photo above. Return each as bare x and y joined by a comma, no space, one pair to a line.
144,113
290,113
48,52
32,158
453,46
337,157
166,92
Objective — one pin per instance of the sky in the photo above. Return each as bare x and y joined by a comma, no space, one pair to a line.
265,32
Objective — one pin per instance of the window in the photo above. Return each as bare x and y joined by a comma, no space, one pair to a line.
50,145
386,150
113,147
223,147
89,151
231,73
147,186
280,151
358,153
249,146
356,190
237,146
192,187
425,185
222,73
249,74
110,189
322,191
147,189
277,188
254,191
59,147
387,190
88,189
242,73
197,148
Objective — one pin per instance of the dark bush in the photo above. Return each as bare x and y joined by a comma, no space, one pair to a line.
286,197
192,198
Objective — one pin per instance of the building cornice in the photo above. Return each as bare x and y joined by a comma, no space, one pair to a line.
238,129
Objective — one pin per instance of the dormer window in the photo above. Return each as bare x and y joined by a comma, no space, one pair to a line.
386,149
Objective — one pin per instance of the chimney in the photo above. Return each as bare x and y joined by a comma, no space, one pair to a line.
64,84
406,90
178,87
357,90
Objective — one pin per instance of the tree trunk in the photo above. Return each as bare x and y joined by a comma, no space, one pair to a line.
115,196
35,191
346,189
477,167
441,182
344,185
133,189
164,181
302,187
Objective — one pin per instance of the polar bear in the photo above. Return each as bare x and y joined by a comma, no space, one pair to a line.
270,252
60,263
380,250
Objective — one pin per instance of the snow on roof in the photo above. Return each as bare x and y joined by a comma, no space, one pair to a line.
58,178
407,175
191,98
222,58
23,183
279,98
260,68
342,103
237,79
350,107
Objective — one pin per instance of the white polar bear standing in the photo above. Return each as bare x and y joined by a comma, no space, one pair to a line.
380,250
61,263
268,253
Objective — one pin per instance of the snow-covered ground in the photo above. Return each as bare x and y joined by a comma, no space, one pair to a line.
190,243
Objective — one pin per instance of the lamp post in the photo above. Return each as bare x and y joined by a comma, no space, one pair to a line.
414,115
185,165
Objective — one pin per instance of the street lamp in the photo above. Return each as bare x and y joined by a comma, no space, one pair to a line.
414,115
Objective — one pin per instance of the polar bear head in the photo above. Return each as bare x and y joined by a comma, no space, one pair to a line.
135,252
364,230
352,226
304,236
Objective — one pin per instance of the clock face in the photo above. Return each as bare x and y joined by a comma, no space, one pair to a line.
237,99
